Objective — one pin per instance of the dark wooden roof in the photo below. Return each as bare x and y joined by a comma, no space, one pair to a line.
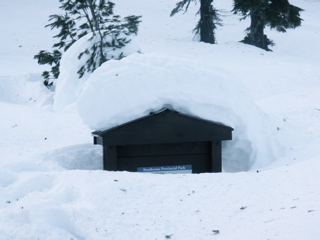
165,126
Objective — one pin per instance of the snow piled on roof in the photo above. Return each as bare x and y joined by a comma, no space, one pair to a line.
121,91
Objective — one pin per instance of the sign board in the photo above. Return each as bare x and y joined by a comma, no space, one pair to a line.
166,169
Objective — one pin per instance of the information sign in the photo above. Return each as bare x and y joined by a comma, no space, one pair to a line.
167,169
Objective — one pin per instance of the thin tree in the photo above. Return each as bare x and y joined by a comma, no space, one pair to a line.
108,32
209,19
276,14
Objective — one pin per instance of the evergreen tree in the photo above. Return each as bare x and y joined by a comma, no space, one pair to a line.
209,19
276,14
108,32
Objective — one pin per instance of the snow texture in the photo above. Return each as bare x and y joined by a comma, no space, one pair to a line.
69,85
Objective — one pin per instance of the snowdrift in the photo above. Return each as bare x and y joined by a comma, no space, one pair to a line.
69,85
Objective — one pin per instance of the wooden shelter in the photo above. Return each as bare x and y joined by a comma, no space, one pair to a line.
165,141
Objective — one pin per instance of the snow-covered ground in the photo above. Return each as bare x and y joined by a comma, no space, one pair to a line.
51,182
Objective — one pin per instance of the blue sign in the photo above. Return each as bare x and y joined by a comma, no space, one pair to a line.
166,169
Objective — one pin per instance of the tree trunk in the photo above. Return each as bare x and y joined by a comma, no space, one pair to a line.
256,34
206,24
97,28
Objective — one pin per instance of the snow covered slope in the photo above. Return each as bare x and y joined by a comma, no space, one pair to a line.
51,183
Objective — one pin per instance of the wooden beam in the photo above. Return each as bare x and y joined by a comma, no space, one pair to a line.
110,158
216,156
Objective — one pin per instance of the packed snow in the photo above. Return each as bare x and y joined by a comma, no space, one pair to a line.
51,181
69,84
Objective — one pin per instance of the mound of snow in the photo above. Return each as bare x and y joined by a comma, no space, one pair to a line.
80,157
121,91
69,85
24,89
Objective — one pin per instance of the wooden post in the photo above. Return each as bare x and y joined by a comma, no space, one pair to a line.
110,158
216,156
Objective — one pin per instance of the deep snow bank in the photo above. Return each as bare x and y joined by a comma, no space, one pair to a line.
69,85
81,157
102,205
120,91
